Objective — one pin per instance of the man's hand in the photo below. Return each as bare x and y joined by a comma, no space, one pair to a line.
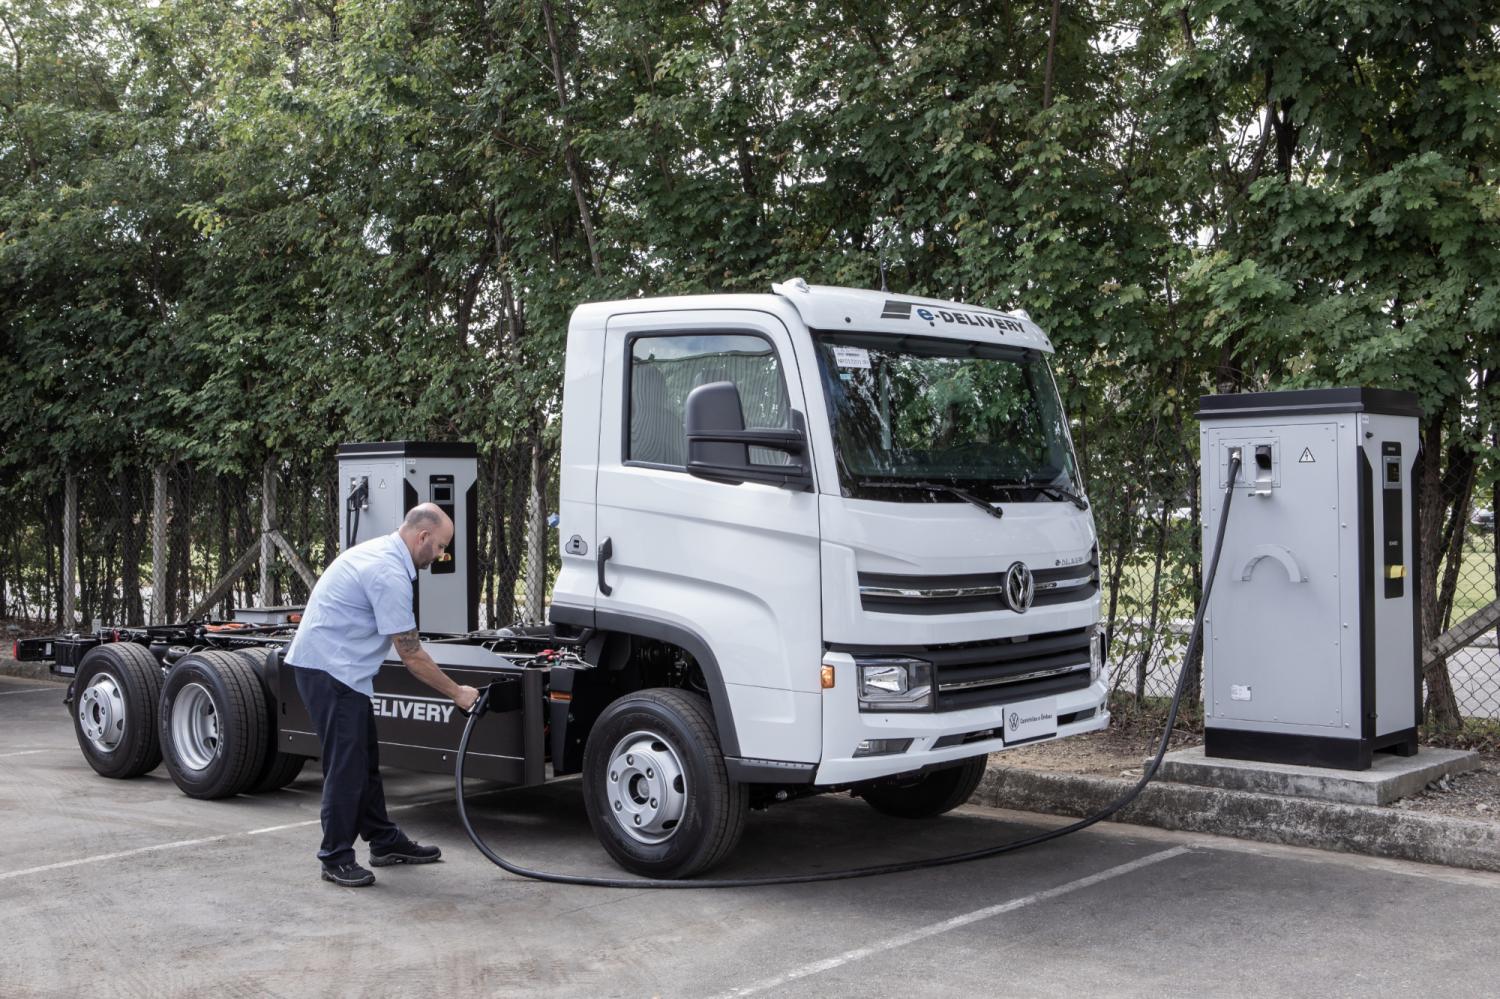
466,698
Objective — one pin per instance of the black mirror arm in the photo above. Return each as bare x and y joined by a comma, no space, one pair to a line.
795,477
790,441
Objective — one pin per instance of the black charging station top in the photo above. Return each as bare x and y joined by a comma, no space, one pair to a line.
1384,402
409,449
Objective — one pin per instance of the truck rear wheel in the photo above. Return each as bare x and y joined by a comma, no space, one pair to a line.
929,794
656,788
114,713
277,769
213,724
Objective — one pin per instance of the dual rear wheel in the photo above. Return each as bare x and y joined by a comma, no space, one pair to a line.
211,718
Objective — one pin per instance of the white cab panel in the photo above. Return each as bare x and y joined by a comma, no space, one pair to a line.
736,565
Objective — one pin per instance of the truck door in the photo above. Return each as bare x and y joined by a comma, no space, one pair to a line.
728,572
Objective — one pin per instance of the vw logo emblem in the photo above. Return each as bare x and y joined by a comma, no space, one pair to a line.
1020,588
1015,721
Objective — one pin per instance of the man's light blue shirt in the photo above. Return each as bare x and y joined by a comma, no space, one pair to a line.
359,603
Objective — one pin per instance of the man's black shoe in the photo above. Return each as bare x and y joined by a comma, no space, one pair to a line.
405,851
349,875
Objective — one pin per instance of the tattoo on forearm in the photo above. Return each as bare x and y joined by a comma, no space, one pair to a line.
407,642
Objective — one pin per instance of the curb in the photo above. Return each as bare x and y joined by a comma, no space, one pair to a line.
28,671
1268,818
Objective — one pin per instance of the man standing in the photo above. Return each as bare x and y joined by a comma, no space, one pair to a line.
359,607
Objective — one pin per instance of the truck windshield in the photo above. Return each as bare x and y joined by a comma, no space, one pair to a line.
917,411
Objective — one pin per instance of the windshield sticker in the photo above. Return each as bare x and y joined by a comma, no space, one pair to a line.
851,357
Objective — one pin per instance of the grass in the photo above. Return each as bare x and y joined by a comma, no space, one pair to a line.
1146,717
1475,589
1473,733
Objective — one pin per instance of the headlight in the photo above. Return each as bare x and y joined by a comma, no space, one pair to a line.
1096,655
894,684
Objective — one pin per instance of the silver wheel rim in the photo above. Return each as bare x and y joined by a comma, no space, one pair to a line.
646,787
101,713
195,727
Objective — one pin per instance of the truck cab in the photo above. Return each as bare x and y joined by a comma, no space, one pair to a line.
853,518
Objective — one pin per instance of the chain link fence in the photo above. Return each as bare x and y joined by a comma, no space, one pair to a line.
150,543
147,545
1150,574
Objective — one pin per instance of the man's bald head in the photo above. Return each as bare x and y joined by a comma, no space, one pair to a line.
428,532
424,517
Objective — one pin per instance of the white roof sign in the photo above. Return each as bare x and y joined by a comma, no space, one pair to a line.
825,308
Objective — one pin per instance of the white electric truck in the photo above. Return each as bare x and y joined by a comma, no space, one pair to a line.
821,539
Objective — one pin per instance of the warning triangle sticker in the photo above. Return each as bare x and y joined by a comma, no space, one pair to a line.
1307,458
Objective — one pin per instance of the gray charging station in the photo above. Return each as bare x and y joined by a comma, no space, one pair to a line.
379,482
1312,637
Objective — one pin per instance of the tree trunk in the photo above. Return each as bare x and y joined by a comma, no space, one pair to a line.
570,155
1442,706
1051,56
1150,632
130,547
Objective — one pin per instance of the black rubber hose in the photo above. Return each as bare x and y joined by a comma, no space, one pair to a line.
871,871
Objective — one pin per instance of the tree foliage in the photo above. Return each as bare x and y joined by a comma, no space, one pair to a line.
237,229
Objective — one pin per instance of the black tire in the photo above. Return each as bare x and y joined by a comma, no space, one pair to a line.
281,771
277,769
213,724
697,814
114,710
930,794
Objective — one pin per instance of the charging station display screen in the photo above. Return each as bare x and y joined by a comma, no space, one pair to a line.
982,417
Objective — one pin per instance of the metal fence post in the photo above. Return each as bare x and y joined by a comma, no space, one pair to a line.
69,550
159,545
267,525
536,540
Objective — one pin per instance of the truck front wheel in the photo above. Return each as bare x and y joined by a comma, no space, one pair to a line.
655,785
927,795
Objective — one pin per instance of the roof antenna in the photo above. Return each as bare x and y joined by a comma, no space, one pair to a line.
883,288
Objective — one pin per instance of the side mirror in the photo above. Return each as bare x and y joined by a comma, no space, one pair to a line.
718,445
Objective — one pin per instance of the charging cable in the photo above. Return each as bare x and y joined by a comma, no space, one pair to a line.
864,872
358,497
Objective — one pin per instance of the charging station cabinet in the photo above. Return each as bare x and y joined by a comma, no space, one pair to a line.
1312,638
379,482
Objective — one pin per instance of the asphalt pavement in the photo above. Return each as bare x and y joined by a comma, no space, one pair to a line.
129,888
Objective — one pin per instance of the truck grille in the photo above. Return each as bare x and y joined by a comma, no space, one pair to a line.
970,594
979,674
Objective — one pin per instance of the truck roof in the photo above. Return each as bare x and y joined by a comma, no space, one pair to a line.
828,308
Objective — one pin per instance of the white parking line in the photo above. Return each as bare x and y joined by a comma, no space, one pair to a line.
28,690
934,929
182,843
27,752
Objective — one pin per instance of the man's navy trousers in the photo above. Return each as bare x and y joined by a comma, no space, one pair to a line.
353,796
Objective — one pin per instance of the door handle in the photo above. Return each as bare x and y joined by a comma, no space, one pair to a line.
606,549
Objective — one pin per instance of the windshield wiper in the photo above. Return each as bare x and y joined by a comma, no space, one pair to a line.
1060,493
1047,489
935,487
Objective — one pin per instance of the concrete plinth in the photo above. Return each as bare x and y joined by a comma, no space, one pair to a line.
1389,778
